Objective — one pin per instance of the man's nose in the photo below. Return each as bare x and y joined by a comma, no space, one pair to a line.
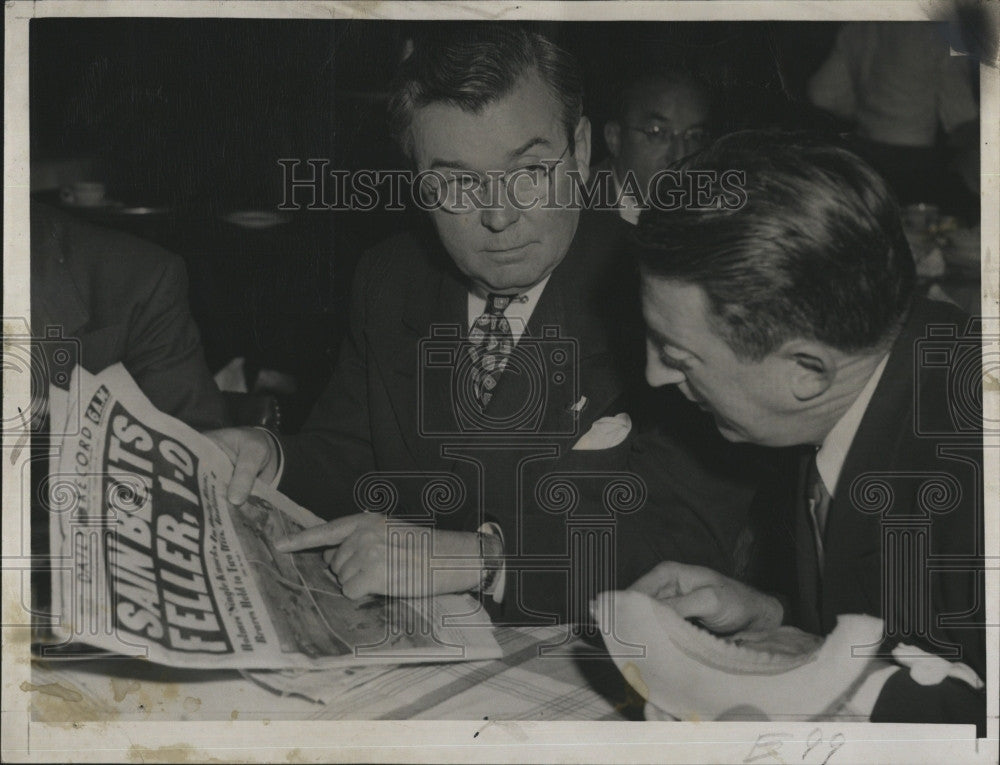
500,214
679,148
659,374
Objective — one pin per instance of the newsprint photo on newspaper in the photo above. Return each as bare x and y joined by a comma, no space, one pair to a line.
530,381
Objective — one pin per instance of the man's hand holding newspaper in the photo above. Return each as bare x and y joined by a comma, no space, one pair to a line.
152,559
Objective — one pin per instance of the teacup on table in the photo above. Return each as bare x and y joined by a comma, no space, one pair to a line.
83,194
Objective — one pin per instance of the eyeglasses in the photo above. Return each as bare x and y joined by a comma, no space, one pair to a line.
694,136
461,191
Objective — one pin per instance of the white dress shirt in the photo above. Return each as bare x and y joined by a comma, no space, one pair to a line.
629,208
831,455
518,313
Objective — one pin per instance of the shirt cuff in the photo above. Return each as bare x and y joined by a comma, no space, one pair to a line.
277,451
501,578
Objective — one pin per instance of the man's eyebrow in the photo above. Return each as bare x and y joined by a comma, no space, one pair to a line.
661,340
651,115
519,151
452,163
523,148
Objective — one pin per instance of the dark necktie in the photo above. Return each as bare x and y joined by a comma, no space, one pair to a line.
818,503
490,345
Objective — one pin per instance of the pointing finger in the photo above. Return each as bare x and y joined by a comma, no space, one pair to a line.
327,535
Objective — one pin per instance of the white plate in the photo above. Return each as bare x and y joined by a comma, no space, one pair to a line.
256,219
144,210
104,204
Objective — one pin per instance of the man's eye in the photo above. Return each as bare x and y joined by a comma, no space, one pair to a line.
464,181
536,171
673,361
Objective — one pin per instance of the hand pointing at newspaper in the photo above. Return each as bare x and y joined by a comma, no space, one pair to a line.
375,557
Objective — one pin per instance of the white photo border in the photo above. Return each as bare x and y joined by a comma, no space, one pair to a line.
461,741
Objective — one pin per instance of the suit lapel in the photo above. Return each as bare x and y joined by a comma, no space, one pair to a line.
563,322
528,382
432,317
853,536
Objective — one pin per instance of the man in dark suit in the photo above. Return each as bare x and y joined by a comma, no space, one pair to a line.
792,321
482,379
124,300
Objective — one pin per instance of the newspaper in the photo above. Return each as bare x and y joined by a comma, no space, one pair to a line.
158,563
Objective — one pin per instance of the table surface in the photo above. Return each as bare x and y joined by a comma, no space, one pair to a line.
542,676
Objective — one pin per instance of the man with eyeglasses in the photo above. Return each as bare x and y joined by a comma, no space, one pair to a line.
662,117
485,361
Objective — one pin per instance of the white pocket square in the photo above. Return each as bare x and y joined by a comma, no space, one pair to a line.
605,433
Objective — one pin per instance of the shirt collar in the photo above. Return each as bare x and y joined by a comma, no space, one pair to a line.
831,455
630,208
518,312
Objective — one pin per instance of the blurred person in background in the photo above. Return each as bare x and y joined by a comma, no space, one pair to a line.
662,116
912,109
125,300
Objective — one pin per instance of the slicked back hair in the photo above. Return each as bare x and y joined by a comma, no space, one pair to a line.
472,66
817,250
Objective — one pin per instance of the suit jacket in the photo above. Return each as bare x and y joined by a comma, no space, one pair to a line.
113,298
122,299
396,430
701,491
904,535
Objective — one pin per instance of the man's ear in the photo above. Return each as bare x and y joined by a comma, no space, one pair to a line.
613,137
813,368
581,152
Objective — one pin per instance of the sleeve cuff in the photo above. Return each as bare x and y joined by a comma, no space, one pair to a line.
279,472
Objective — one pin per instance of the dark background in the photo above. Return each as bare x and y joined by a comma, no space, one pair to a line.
192,115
